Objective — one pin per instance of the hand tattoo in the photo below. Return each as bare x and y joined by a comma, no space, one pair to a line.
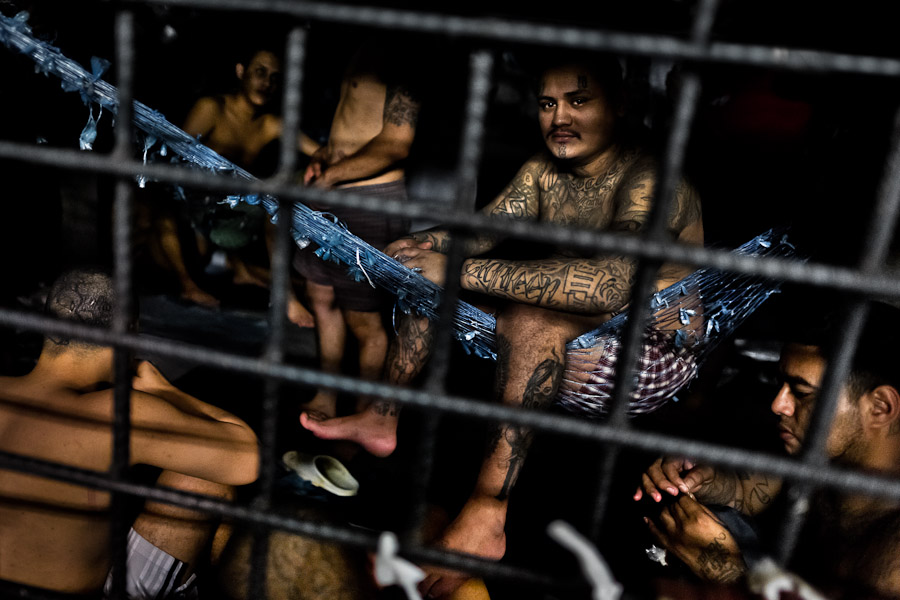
716,563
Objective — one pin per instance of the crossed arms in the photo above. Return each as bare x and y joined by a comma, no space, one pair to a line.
587,285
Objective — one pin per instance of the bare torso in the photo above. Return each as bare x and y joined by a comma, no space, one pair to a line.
70,428
233,132
599,203
359,117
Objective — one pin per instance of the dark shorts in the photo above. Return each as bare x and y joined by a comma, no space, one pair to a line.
376,229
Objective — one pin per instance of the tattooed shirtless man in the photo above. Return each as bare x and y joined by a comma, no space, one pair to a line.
851,544
588,177
371,135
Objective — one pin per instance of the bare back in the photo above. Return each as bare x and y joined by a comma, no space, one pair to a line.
56,535
72,429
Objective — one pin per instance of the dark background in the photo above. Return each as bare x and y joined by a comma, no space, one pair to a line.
768,148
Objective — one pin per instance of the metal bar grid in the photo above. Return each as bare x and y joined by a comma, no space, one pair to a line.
866,280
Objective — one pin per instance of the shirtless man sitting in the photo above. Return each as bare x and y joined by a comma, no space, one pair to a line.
56,535
849,547
588,177
238,126
371,135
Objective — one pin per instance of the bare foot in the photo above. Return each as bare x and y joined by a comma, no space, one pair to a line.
244,276
323,405
298,315
198,296
479,530
375,432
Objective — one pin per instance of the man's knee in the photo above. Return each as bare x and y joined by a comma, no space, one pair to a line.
321,297
194,485
366,326
532,323
520,321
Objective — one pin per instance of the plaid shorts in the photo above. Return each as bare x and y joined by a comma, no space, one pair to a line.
587,383
152,573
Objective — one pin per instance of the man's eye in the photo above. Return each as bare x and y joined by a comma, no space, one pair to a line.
802,395
546,105
579,101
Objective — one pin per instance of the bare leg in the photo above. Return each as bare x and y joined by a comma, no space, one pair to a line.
182,533
531,358
331,332
373,343
375,428
170,245
296,312
245,274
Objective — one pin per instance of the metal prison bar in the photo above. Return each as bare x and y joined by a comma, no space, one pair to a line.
866,279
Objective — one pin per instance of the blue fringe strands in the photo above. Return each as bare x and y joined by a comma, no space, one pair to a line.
688,318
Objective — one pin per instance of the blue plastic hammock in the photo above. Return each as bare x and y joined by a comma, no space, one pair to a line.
688,318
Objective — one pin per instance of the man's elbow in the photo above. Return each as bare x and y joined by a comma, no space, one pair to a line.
245,462
397,150
245,466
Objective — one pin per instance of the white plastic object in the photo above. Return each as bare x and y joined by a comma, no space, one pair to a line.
595,569
322,471
390,569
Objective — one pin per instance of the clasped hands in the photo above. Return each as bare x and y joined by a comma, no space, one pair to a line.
419,255
687,528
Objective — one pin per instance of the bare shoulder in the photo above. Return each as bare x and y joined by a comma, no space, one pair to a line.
885,561
540,170
209,105
638,185
203,116
520,197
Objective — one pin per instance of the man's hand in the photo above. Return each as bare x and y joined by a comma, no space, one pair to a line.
318,162
694,534
674,475
433,265
148,379
478,530
395,247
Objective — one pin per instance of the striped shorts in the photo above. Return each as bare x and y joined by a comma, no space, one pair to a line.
152,573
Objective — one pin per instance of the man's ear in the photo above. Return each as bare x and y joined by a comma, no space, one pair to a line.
239,70
882,407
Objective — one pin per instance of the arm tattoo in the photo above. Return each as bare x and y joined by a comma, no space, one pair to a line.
756,492
716,563
440,240
723,489
589,286
750,493
400,106
539,392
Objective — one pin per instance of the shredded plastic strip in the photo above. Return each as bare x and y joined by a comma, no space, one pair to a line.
391,569
595,569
